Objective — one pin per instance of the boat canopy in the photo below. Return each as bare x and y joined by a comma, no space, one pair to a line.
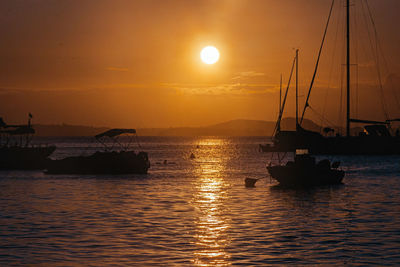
115,132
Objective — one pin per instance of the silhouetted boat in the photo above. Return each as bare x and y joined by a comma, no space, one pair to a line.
117,161
376,138
304,171
16,150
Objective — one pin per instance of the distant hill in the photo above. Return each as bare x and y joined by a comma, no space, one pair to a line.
229,128
67,130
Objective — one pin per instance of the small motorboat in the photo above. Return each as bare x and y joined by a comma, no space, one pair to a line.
305,171
111,160
17,152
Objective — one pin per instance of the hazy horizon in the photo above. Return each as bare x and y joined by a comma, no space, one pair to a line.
136,63
291,119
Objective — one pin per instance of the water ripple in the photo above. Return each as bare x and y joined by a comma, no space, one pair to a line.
198,212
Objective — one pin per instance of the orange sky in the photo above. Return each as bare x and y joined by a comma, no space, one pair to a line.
136,63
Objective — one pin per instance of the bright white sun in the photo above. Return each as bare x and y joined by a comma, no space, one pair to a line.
209,55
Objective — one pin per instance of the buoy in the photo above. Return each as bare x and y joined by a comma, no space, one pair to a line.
250,182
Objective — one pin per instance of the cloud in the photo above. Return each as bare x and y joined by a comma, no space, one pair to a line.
10,91
243,83
247,75
224,89
367,64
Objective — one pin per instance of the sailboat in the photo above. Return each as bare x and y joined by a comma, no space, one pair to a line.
376,138
16,149
304,170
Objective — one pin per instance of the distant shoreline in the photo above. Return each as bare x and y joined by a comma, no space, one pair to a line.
230,128
166,136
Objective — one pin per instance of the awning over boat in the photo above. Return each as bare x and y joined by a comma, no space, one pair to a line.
115,132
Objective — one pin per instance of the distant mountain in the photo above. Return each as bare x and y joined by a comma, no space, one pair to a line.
229,128
67,130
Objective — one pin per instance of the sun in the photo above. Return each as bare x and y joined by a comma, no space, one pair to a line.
209,55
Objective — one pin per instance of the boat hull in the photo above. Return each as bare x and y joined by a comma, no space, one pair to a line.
24,158
300,176
124,162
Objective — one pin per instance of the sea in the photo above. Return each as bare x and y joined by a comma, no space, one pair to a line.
198,212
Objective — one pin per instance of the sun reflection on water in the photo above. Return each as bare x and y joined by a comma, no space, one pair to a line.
209,200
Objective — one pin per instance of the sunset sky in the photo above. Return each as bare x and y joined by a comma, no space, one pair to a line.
137,63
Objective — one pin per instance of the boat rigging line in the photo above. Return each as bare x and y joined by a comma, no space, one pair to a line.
316,65
333,58
377,60
278,122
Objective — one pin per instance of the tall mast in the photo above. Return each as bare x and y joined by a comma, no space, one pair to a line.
348,66
297,89
280,101
280,95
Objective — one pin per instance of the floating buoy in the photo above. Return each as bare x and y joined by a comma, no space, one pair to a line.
250,182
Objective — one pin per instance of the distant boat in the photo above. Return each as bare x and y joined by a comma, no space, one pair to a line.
376,139
16,149
304,171
116,159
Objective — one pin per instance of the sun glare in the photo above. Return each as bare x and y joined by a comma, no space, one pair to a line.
209,55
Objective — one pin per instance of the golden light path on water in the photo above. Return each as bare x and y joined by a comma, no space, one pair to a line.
209,200
197,212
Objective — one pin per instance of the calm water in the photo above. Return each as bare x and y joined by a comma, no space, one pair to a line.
198,212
